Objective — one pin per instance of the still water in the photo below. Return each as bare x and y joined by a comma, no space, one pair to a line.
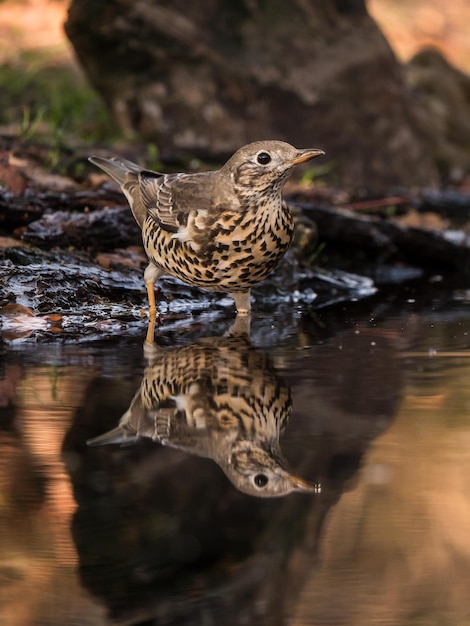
361,411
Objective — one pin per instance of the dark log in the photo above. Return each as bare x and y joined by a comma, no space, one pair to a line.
448,202
446,251
19,210
104,229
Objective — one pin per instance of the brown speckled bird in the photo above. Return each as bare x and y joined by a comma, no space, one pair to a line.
218,398
224,230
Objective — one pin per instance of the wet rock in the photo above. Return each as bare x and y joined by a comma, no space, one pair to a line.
60,281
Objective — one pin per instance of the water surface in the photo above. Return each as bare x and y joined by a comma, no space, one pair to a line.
151,534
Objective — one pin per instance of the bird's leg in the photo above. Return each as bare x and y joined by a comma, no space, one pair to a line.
151,298
151,275
150,337
242,302
152,312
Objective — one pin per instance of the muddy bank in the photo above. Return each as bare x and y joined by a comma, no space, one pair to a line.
71,256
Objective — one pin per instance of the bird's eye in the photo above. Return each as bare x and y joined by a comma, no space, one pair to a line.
263,158
260,480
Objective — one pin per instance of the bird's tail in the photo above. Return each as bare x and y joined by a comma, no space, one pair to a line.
127,431
126,173
116,435
117,167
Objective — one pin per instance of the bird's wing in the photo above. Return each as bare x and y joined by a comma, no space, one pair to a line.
171,198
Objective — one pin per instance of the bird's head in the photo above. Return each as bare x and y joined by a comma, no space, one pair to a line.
262,472
264,166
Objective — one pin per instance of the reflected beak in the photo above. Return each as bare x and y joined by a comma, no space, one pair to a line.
300,484
306,155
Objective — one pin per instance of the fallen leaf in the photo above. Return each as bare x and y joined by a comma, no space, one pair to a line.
10,176
10,242
19,321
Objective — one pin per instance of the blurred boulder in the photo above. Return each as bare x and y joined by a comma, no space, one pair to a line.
442,94
206,77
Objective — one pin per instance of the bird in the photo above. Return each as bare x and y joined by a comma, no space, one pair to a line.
223,230
218,398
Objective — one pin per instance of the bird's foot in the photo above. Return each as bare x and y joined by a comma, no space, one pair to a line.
242,302
240,327
151,350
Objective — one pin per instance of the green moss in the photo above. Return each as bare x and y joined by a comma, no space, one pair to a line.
51,101
326,171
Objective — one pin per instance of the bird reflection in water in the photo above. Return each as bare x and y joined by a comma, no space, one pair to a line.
218,398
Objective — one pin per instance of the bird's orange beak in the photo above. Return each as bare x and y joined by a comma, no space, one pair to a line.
306,155
300,484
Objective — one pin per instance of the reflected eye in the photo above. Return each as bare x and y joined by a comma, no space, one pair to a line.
260,480
264,158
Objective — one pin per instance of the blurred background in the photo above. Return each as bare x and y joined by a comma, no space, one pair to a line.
141,93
